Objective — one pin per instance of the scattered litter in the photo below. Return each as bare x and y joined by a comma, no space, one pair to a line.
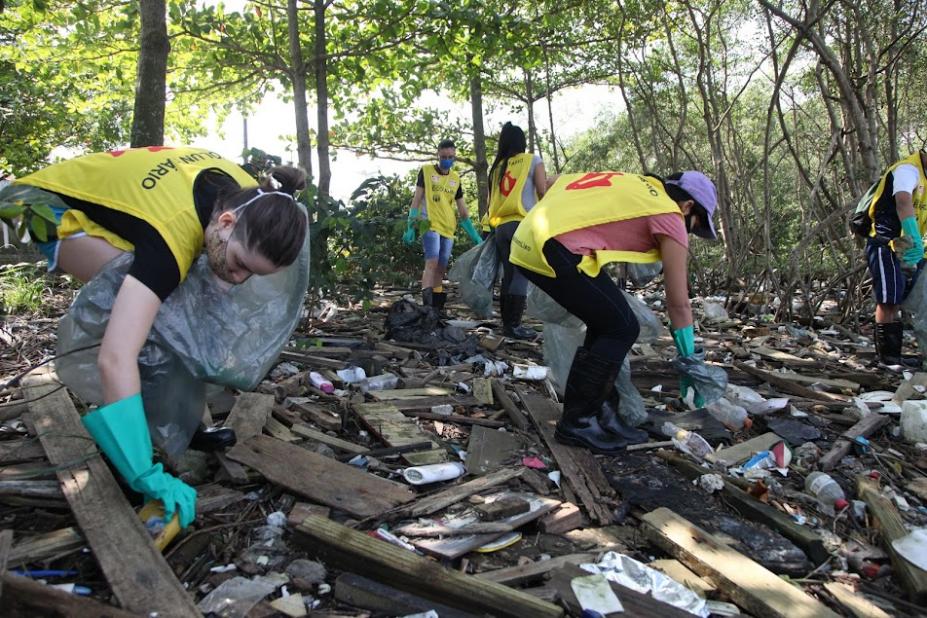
594,593
432,473
530,372
534,463
913,547
711,482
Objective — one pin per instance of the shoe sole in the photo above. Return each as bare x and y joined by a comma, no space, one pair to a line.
577,442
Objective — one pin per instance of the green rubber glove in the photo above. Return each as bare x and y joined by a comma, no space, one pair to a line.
913,255
684,338
467,225
121,431
411,224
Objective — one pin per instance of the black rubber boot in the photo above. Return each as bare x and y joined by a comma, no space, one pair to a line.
888,338
612,423
428,297
438,300
587,387
209,439
512,307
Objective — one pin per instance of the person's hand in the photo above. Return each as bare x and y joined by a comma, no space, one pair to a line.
176,495
409,237
467,225
915,253
685,383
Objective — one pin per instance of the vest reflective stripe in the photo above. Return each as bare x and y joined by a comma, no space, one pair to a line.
919,197
506,204
579,201
154,184
440,190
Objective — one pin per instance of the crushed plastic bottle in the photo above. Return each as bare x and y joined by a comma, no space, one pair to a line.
378,383
687,441
828,492
731,416
319,381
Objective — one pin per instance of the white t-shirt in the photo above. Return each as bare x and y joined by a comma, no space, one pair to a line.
528,195
905,178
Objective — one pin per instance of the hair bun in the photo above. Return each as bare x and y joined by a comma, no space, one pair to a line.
285,179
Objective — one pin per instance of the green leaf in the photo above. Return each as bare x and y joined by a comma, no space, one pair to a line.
39,229
8,213
45,211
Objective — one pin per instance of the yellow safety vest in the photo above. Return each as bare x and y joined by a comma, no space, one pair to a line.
506,204
579,201
919,196
441,205
154,184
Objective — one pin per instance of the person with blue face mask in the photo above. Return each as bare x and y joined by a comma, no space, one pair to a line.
438,186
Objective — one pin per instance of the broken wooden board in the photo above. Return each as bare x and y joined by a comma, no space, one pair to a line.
276,429
684,575
489,448
410,393
318,415
525,573
396,429
249,415
425,404
136,571
453,547
567,517
482,391
578,466
751,586
24,598
785,385
324,438
867,426
302,510
456,493
783,357
515,415
891,528
319,478
357,552
858,605
733,455
18,451
46,545
359,591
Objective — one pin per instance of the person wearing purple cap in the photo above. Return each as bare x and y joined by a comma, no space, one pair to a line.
584,222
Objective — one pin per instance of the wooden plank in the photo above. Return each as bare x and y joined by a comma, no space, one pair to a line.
751,508
684,575
42,546
515,415
359,591
738,453
455,418
567,517
487,449
136,571
249,414
518,575
396,429
357,552
319,478
866,426
787,386
25,598
425,404
318,415
324,438
456,493
18,451
6,541
891,527
835,383
302,510
388,394
276,429
578,467
783,357
858,605
751,586
482,391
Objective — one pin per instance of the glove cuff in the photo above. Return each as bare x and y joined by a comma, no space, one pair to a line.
413,214
684,338
910,228
467,225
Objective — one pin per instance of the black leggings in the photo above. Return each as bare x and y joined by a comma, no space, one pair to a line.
513,282
611,326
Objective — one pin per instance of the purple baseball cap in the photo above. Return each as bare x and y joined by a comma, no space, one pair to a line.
703,191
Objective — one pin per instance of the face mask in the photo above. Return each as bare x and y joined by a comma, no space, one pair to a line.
446,164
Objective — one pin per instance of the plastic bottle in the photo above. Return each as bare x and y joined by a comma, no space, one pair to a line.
380,382
687,441
731,416
319,381
828,492
152,515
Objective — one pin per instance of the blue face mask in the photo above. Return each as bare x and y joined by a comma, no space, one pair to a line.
446,164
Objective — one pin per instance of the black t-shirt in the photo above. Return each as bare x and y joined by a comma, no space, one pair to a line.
421,183
887,223
154,264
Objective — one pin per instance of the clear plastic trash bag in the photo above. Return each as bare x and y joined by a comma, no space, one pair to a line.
708,380
560,343
914,305
545,308
204,332
475,271
642,274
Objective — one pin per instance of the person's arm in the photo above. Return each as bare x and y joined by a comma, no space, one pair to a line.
904,205
676,281
551,180
417,200
540,179
130,321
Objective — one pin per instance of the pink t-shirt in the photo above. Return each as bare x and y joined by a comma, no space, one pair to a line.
639,234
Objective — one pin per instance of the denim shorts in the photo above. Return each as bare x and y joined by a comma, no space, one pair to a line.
437,247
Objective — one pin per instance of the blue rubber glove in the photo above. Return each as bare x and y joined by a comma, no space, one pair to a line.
121,431
411,224
913,255
684,338
467,225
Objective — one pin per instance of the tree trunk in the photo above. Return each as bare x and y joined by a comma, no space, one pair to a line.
151,81
529,98
549,95
298,68
479,144
321,96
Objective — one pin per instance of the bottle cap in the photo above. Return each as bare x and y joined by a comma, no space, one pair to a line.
841,504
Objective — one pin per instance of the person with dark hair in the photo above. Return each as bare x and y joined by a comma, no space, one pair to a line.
165,205
517,180
898,209
586,221
438,186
